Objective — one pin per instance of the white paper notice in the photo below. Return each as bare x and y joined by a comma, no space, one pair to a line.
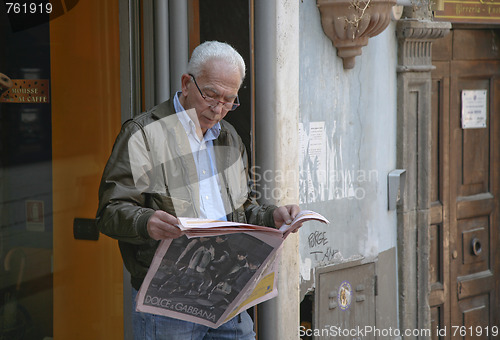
474,109
317,148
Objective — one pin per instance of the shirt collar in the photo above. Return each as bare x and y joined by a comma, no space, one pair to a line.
188,124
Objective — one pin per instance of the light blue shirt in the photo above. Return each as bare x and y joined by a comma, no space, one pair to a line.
211,204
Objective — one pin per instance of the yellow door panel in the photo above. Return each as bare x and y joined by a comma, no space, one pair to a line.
85,80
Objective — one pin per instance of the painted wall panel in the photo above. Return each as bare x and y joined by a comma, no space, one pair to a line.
347,145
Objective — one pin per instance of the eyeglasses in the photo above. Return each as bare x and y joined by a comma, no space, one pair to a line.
212,102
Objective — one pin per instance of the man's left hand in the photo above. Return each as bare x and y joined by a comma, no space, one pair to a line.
285,214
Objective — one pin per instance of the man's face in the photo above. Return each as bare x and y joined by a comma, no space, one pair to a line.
219,81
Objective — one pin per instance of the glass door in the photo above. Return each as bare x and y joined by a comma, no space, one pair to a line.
26,219
59,115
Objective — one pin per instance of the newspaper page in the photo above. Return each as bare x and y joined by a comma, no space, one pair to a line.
195,227
208,279
265,287
216,270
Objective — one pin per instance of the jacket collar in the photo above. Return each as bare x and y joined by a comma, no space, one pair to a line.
164,109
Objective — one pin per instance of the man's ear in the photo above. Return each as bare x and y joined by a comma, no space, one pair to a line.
185,80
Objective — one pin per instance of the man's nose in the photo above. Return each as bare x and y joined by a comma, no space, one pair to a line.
217,108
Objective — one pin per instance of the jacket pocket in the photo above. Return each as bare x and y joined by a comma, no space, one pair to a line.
175,206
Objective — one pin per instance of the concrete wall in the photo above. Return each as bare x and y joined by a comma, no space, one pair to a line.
347,147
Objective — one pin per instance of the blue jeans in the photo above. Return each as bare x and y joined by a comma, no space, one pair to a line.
156,327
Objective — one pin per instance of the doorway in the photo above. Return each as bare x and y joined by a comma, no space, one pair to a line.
464,261
233,25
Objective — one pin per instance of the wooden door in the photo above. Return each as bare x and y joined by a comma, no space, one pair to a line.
464,257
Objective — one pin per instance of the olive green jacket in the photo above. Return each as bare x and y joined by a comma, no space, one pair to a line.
152,168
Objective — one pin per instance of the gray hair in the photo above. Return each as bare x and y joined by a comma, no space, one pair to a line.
215,50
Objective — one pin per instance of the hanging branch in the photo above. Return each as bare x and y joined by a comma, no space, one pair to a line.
357,5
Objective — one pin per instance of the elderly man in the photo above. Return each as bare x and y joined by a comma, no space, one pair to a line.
182,159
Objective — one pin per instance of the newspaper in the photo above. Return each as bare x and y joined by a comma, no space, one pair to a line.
216,270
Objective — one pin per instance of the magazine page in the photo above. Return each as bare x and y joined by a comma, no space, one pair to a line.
201,279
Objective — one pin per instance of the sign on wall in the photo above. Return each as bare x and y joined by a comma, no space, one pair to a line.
474,109
475,11
33,91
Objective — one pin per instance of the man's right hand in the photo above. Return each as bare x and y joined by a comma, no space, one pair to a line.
162,225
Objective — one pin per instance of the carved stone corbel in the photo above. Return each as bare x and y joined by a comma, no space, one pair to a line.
415,43
350,23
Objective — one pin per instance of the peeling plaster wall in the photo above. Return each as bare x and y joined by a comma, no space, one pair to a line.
347,146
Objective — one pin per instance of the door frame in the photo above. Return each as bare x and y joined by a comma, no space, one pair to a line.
415,39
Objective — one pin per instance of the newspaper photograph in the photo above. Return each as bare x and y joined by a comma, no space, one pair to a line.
209,279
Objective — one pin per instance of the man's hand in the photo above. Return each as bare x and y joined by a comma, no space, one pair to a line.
162,225
285,214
